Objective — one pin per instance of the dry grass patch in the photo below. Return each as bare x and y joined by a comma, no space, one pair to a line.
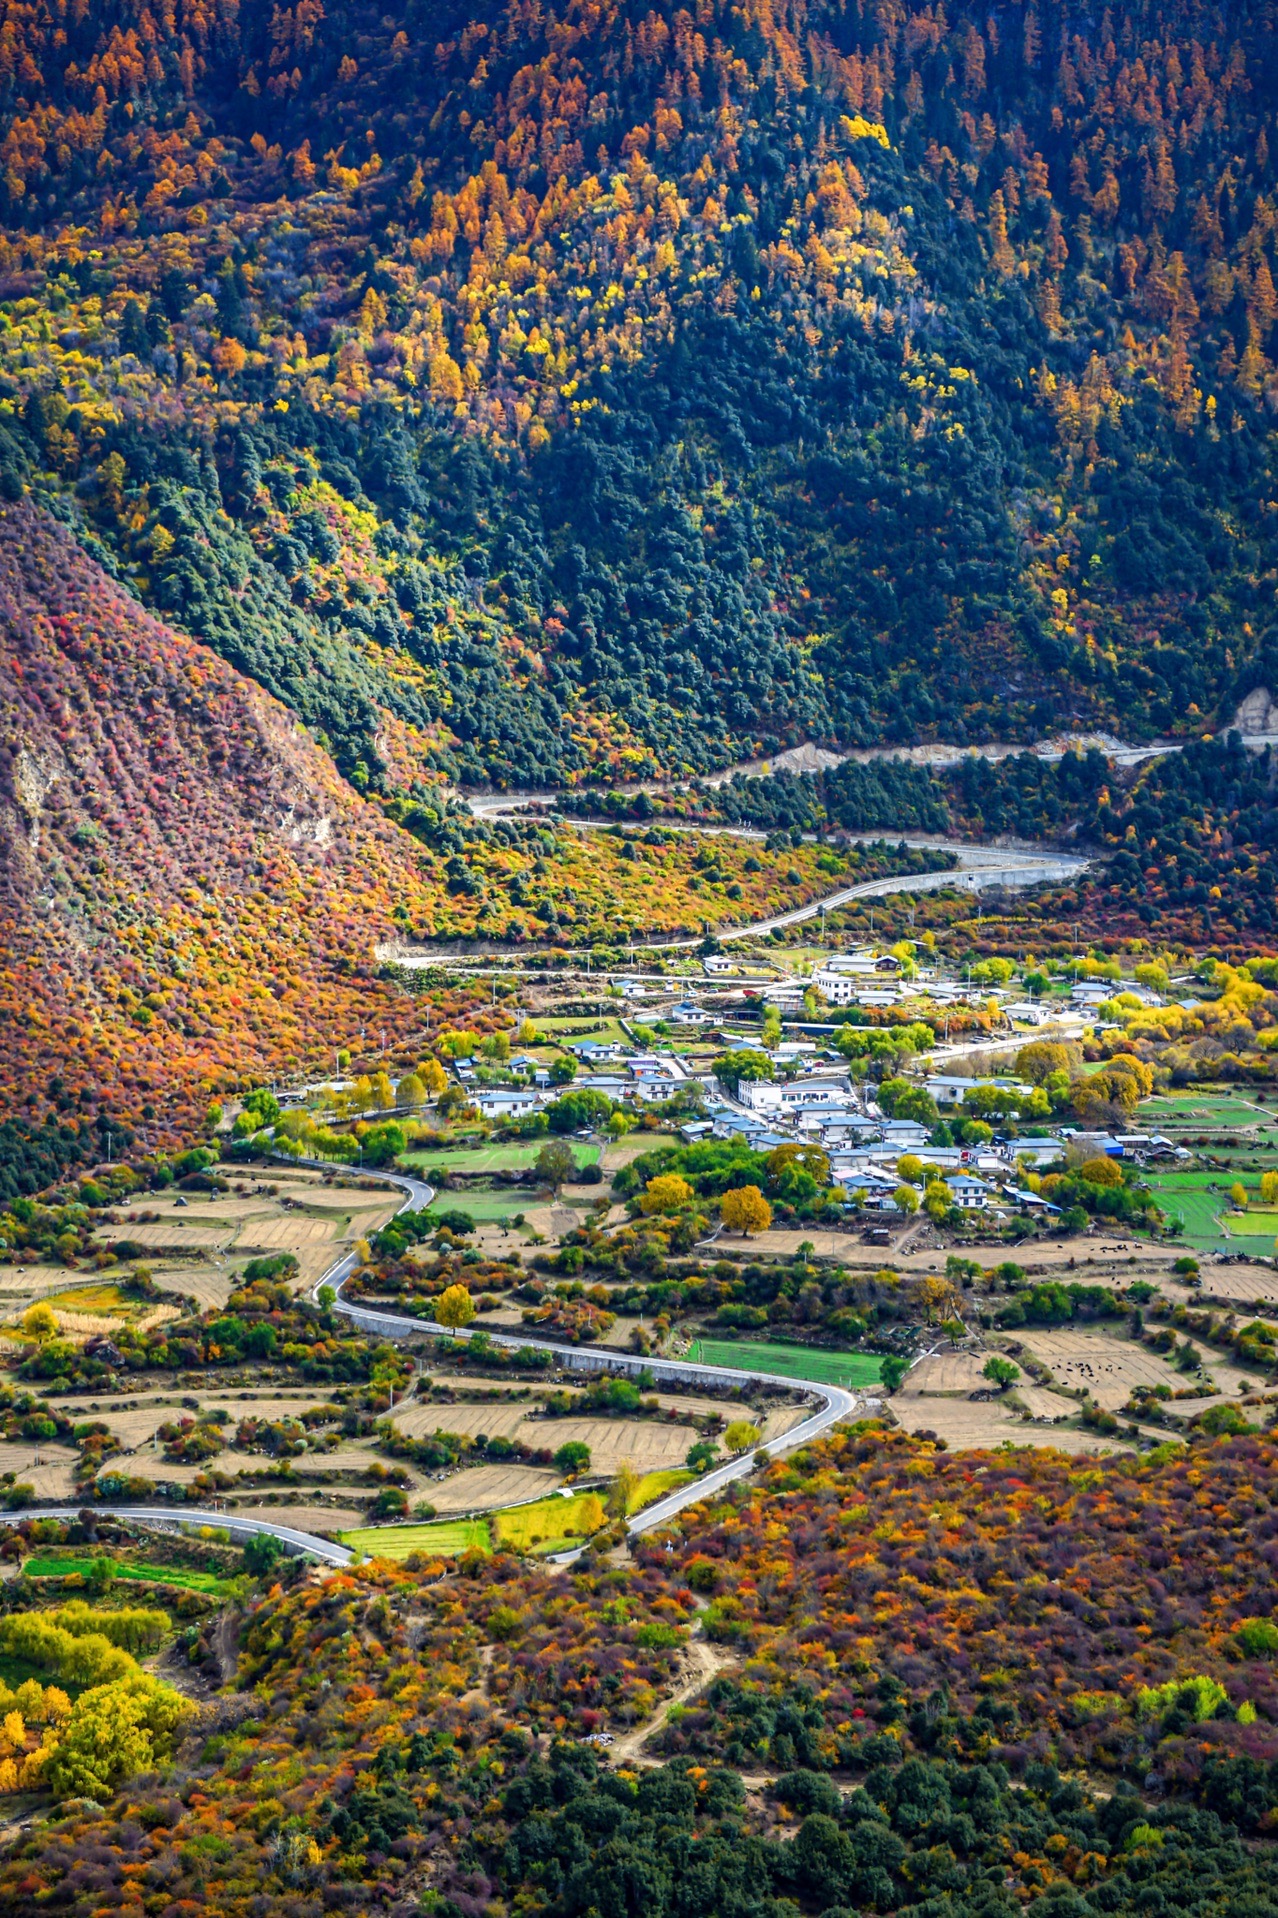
483,1488
968,1427
1043,1404
945,1372
649,1444
304,1516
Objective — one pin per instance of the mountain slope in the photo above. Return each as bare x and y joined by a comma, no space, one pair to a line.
188,891
522,392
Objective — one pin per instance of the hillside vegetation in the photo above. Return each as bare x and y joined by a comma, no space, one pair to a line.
189,890
922,1650
518,391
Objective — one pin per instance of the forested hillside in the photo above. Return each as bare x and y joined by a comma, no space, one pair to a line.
932,1663
188,892
524,391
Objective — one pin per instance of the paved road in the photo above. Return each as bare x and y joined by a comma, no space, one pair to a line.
977,868
321,1548
834,1402
808,759
417,1195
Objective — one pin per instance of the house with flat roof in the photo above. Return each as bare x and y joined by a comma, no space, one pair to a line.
505,1102
950,1089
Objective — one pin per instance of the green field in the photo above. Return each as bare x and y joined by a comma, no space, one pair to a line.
494,1158
1192,1203
487,1206
788,1361
142,1574
1201,1111
605,1032
1189,1196
448,1538
548,1525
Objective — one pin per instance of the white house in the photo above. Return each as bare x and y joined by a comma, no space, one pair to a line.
840,988
506,1102
1091,992
864,960
784,997
1039,1151
775,1095
949,1090
1030,1013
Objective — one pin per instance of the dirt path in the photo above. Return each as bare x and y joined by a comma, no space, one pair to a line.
705,1662
226,1644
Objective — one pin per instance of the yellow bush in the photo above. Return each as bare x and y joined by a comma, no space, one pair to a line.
745,1210
666,1193
454,1307
114,1731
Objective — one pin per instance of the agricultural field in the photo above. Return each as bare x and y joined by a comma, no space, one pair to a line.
1196,1198
46,1467
57,1564
655,1485
485,1488
567,1030
487,1204
936,1396
543,1526
1242,1285
1202,1110
943,1373
852,1369
516,1156
1111,1367
446,1539
82,1310
310,1214
965,1426
551,1525
1211,1221
650,1445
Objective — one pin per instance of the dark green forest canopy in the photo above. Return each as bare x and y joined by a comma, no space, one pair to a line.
950,419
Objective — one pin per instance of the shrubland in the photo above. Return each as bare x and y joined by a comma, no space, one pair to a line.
931,1658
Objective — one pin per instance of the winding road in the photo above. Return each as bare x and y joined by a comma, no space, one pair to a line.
835,1404
977,867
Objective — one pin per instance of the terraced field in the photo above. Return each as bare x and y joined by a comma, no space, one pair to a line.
650,1445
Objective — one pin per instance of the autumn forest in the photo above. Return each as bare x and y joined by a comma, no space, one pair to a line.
568,568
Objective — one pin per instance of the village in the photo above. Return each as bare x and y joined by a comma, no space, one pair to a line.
780,1059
